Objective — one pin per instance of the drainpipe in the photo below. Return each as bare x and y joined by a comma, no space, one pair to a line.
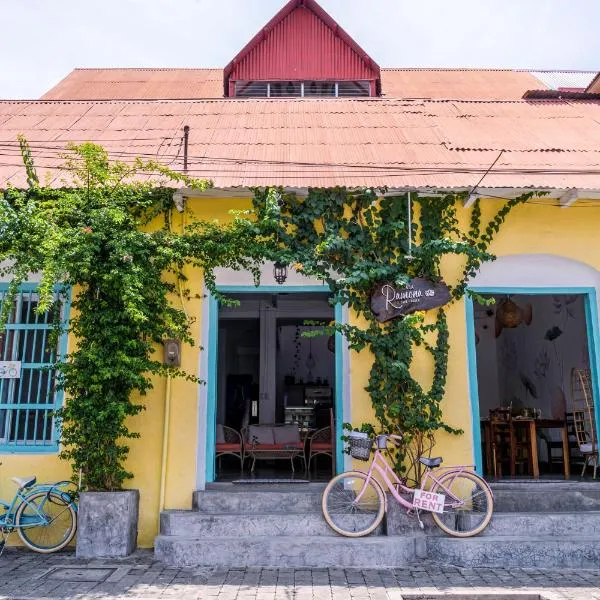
186,138
165,449
409,210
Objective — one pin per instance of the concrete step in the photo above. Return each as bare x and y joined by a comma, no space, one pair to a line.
585,523
504,551
192,523
267,499
546,496
285,551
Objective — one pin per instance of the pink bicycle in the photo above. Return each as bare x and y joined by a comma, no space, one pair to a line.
354,503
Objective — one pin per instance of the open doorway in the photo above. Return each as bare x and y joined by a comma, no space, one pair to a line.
275,392
534,384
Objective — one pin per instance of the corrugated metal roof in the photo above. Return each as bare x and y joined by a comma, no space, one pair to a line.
457,84
573,80
138,84
302,143
183,84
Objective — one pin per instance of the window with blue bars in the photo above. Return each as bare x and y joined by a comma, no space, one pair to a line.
29,395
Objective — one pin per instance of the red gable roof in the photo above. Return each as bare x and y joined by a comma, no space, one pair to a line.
594,87
301,42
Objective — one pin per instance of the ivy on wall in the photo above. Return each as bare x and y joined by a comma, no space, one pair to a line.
110,237
354,240
108,234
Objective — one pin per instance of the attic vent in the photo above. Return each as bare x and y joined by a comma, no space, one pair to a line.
302,89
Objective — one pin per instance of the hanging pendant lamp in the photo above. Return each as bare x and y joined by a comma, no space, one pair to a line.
280,272
509,314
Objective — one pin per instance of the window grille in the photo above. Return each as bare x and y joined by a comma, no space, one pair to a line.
286,89
251,89
27,403
319,89
299,89
347,89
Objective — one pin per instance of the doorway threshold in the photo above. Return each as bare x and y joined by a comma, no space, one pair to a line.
277,486
268,481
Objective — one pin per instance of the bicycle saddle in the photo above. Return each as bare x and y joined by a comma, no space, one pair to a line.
24,482
432,463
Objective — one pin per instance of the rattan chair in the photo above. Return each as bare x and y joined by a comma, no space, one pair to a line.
322,442
232,444
584,420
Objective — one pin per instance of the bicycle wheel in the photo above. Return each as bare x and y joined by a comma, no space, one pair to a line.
468,504
352,506
59,529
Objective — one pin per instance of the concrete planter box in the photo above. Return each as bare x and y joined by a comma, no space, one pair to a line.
107,524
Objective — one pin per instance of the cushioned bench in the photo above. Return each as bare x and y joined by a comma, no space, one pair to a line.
272,442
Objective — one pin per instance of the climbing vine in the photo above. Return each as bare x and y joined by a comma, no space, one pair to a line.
354,240
108,235
110,238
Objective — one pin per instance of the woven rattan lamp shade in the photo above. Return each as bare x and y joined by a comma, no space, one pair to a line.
509,314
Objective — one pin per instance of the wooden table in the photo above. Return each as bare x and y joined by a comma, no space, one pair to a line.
533,425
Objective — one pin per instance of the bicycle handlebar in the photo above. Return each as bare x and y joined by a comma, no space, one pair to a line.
388,437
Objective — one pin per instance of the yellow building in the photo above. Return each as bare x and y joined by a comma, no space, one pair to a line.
339,121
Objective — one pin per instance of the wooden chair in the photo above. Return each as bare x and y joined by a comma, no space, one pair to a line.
499,440
510,443
582,407
558,445
322,442
229,441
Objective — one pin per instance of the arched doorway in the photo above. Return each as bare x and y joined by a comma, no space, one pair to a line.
522,350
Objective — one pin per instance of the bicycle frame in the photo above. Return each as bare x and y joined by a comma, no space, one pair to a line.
7,519
393,483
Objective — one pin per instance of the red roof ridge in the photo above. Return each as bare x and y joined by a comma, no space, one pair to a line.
467,69
271,101
493,69
148,69
488,69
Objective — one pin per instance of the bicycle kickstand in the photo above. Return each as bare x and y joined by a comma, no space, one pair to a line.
3,537
421,524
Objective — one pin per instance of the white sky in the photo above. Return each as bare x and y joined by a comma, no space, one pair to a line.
42,40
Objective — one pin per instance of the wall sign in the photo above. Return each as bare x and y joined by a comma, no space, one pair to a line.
389,301
10,369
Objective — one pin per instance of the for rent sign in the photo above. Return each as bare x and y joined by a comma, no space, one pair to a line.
389,301
424,500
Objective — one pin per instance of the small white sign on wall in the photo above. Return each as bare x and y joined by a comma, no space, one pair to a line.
10,369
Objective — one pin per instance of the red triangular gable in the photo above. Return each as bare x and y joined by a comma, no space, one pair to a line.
302,42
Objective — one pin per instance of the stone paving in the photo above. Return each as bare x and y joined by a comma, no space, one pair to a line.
25,575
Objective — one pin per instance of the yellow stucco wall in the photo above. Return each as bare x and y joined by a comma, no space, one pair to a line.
571,233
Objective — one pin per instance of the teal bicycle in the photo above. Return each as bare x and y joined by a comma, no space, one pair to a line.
44,515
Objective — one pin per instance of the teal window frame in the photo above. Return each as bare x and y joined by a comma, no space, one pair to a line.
31,332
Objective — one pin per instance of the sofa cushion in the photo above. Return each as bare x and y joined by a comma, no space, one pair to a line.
321,446
229,447
276,447
286,434
260,434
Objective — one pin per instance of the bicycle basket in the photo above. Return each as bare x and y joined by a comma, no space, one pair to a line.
360,447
